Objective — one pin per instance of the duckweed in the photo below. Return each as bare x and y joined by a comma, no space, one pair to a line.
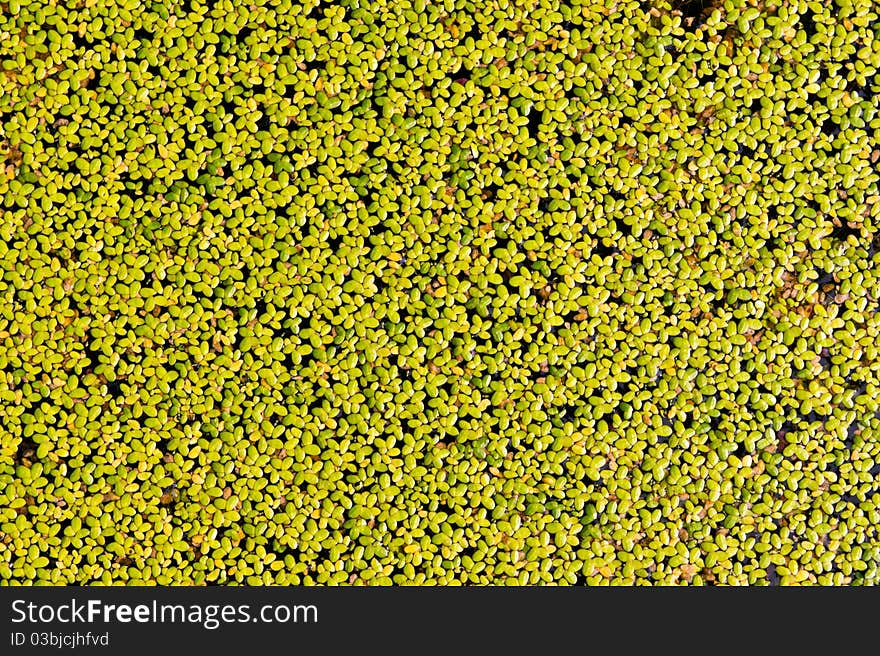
408,292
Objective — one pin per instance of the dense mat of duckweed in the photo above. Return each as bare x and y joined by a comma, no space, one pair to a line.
374,292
